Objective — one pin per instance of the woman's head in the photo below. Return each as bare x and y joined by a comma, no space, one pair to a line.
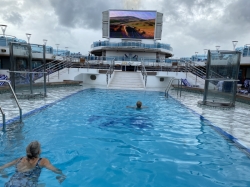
33,150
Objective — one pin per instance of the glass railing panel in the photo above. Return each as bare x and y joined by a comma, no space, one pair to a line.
132,44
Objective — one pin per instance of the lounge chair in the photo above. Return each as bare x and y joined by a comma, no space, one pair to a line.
186,83
3,77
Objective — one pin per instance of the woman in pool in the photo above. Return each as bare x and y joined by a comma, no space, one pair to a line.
138,105
28,168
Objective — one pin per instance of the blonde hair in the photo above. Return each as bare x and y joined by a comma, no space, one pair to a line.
33,150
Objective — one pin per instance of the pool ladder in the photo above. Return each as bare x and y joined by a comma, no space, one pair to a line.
169,85
20,109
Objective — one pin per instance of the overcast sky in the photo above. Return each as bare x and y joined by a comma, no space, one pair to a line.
189,26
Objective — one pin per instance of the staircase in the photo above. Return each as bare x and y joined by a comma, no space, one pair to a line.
126,80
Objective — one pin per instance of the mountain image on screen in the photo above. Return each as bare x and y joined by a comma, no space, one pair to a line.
131,27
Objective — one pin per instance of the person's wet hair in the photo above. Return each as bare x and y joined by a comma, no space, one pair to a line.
139,104
33,150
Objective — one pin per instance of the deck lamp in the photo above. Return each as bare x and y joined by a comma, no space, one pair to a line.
28,37
44,41
196,53
57,49
205,51
44,66
3,27
66,51
234,44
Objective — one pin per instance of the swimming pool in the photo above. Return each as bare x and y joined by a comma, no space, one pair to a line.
97,141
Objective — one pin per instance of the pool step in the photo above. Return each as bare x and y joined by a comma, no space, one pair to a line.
128,80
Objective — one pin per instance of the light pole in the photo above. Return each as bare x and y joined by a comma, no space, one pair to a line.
217,47
66,51
196,53
57,49
234,44
30,61
205,51
3,27
44,65
28,37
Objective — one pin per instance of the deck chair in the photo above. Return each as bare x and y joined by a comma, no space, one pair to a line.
186,83
3,77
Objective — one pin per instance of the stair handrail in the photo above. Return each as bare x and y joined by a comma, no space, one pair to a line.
47,69
54,65
192,67
168,86
110,70
14,95
57,67
63,62
202,73
47,64
144,71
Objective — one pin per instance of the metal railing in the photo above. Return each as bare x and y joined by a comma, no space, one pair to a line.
144,72
199,71
3,115
140,45
168,86
55,66
179,87
41,68
110,70
20,109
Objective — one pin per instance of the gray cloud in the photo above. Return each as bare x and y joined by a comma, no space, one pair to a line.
207,22
237,13
14,18
189,25
83,14
132,4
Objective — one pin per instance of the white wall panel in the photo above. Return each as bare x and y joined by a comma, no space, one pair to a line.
105,24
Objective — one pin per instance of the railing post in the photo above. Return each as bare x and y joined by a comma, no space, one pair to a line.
181,89
44,69
30,69
48,73
4,123
3,116
14,95
21,114
186,69
178,87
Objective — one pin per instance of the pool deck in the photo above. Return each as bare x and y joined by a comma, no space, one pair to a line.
244,98
6,88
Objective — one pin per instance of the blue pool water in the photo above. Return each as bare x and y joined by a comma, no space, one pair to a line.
97,141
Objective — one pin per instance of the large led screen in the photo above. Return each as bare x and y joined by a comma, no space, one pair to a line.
132,24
